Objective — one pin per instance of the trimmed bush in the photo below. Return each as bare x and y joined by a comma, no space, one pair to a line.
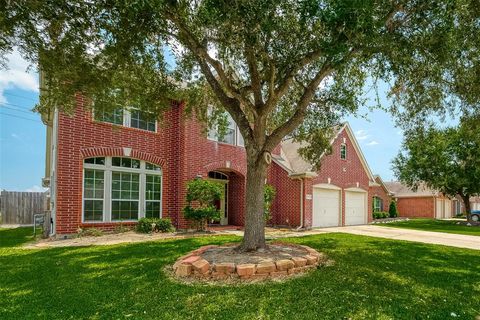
380,215
148,225
392,210
201,197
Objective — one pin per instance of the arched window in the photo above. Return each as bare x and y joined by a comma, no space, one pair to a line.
217,175
121,189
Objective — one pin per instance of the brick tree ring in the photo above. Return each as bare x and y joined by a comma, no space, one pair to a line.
221,263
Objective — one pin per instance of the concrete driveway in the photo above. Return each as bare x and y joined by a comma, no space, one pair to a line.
446,239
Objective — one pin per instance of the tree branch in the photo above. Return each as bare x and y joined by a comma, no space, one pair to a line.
255,77
276,136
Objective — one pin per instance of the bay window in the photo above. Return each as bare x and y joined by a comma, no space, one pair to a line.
121,189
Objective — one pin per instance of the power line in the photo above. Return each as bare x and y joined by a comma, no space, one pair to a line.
19,117
18,96
16,105
25,111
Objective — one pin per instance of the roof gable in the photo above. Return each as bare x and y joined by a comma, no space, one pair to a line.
292,162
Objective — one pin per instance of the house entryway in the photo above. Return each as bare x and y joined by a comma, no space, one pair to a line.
222,204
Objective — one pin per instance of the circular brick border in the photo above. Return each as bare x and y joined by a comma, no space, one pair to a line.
194,266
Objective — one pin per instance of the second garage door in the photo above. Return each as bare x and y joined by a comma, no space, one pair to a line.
326,207
355,207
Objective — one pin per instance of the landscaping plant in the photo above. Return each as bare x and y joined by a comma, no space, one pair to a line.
201,198
269,194
392,209
148,225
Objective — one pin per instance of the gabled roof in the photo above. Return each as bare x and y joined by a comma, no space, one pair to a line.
400,190
379,182
290,160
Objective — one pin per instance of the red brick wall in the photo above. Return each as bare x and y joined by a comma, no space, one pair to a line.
342,173
183,154
418,207
286,205
382,194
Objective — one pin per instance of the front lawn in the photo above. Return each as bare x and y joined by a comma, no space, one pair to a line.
372,279
448,226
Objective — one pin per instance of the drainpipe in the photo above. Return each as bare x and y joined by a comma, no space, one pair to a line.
301,205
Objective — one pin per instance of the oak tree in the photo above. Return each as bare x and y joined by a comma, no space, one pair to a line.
278,67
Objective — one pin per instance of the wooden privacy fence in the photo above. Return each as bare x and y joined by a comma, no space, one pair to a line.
19,207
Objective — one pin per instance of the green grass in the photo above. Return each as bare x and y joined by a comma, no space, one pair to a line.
434,225
15,237
372,279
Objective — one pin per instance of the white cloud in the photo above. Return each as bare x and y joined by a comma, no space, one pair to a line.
361,135
36,188
17,76
372,143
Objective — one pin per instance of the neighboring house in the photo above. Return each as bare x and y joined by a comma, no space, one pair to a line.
107,168
459,206
420,203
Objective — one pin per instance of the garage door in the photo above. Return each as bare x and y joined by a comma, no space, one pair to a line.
448,208
355,207
326,207
439,209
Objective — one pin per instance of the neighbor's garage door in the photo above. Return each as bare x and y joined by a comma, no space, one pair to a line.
448,208
439,209
326,207
355,208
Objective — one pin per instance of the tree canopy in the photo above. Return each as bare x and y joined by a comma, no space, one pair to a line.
278,67
444,159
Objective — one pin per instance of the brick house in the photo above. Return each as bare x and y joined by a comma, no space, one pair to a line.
381,196
106,168
421,203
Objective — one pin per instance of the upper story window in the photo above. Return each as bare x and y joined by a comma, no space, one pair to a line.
133,118
232,135
343,151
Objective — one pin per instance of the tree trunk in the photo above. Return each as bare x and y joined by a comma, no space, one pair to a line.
254,236
468,210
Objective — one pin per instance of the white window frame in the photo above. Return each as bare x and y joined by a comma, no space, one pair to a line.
107,188
213,136
127,120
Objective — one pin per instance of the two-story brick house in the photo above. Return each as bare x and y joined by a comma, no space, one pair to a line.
106,168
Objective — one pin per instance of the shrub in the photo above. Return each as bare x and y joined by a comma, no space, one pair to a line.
380,215
148,225
201,197
392,210
89,232
269,195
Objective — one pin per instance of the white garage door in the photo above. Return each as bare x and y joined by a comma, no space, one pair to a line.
439,209
326,207
355,208
448,208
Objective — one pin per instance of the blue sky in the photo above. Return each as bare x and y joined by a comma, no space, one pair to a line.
22,135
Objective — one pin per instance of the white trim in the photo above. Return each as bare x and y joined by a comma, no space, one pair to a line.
355,190
126,121
108,168
53,173
359,151
326,186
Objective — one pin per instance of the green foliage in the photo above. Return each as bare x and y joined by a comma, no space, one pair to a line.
148,225
201,197
443,159
269,196
392,209
89,232
380,215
